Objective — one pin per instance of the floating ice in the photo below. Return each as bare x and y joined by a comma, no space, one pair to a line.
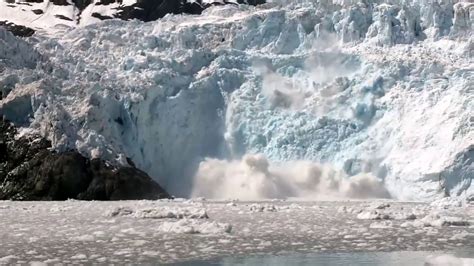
373,215
186,226
183,213
448,260
263,208
381,225
160,213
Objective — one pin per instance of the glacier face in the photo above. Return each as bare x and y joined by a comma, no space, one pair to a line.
382,88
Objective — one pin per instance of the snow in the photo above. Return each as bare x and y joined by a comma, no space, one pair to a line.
377,95
21,13
49,18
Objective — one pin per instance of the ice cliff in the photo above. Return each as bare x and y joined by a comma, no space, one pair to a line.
382,89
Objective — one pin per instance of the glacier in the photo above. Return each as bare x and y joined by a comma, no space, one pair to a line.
381,88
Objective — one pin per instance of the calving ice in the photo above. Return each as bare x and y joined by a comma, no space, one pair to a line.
309,99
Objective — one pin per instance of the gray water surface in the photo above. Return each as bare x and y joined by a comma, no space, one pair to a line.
412,258
262,233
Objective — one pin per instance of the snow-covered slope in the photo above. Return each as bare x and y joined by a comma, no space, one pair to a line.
53,16
382,89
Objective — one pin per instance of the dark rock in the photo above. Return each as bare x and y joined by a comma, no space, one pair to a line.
106,2
63,17
37,11
129,161
29,170
60,2
149,10
99,16
253,2
144,10
17,30
82,4
125,183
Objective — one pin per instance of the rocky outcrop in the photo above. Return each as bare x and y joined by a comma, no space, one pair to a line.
147,10
23,17
29,170
17,30
152,10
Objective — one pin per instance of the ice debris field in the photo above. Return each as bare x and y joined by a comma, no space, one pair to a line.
290,99
195,230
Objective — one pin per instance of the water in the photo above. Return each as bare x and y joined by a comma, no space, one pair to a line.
263,233
412,258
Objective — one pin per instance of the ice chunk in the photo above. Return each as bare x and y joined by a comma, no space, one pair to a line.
186,226
161,213
381,225
447,260
373,215
263,208
178,213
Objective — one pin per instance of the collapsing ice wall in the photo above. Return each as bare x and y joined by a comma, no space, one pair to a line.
382,90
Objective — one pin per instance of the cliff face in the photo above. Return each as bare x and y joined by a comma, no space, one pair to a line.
29,170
